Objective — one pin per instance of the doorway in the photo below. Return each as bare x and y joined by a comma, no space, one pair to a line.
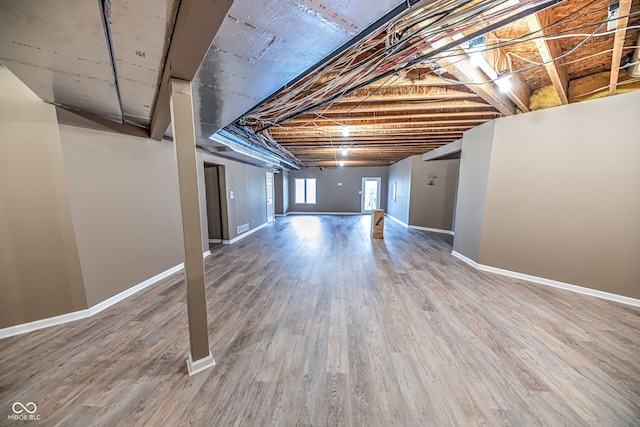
213,191
271,215
370,195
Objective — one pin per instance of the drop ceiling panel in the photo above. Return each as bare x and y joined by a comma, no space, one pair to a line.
263,44
59,49
140,31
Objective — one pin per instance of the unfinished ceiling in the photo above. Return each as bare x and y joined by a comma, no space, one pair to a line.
421,81
297,82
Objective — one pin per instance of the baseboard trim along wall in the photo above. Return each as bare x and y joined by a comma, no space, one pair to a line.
393,218
91,311
433,230
326,213
245,234
548,282
417,227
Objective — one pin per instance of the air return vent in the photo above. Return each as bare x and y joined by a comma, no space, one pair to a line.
242,228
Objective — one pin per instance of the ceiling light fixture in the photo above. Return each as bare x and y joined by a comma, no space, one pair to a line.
504,83
345,131
345,152
341,164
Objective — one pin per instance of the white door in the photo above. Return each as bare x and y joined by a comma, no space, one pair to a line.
370,194
270,208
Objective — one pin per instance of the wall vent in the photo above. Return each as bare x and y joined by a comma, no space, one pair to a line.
242,228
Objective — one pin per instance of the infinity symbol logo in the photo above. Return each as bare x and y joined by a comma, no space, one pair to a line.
30,408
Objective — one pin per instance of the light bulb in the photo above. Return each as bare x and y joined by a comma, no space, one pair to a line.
345,152
504,83
476,59
345,131
341,164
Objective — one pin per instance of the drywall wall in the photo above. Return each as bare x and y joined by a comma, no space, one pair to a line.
278,193
249,203
40,274
334,198
563,195
432,206
400,177
472,188
125,202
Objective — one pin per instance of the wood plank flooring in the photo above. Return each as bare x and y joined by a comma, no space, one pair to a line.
313,323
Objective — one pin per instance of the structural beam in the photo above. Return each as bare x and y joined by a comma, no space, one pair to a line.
196,25
520,91
184,139
549,50
461,68
618,44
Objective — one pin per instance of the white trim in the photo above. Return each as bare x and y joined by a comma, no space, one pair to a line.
245,234
433,230
549,282
469,261
200,364
283,214
404,224
327,213
137,288
215,240
91,311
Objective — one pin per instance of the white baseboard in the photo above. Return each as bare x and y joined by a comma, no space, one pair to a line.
283,214
91,311
549,282
404,224
433,230
215,240
245,234
200,364
325,213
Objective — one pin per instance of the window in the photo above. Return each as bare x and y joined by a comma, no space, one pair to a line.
305,190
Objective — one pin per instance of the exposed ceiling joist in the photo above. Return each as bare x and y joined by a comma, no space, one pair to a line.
401,94
466,73
197,23
519,92
549,50
367,107
618,44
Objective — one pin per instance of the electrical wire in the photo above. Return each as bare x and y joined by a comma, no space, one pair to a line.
325,88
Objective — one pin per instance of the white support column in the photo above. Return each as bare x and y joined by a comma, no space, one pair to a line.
182,123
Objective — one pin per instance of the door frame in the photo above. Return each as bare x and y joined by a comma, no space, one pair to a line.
271,211
362,195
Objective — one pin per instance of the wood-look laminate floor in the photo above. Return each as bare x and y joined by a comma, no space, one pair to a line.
314,323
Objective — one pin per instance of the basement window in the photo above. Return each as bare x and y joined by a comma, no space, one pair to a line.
305,191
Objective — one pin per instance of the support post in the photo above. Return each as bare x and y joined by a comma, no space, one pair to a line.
184,140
